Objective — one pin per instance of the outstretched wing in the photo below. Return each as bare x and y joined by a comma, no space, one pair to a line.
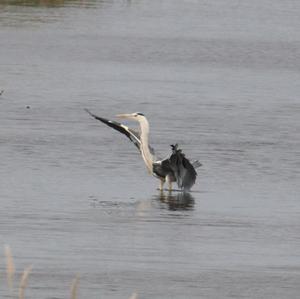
183,170
138,136
132,135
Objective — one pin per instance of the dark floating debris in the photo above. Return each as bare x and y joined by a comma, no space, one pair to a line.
1,92
27,107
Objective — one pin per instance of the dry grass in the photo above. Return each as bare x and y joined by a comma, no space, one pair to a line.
23,282
134,296
74,287
10,271
10,268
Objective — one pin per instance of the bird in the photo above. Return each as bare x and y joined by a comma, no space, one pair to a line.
175,168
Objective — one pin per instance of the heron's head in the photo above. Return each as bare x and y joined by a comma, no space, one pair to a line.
133,116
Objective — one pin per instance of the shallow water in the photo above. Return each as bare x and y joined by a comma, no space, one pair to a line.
221,79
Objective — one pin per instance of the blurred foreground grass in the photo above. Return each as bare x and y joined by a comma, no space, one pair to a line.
50,3
20,291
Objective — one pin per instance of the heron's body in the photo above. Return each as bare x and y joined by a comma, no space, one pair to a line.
176,168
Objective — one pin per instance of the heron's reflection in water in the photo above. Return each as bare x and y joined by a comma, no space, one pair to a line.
177,201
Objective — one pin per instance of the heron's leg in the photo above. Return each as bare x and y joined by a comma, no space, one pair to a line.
169,181
161,184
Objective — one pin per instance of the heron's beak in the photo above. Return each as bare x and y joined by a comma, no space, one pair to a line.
124,116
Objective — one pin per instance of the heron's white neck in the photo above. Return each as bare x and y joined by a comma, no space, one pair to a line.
147,156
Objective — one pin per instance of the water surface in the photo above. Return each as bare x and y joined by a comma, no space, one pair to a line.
221,79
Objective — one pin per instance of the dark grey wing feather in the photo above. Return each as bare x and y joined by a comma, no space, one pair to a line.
162,168
179,168
190,176
183,170
196,164
131,134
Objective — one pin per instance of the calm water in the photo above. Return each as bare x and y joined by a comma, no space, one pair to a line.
221,78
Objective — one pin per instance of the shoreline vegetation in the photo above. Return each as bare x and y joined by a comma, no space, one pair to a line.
20,291
50,3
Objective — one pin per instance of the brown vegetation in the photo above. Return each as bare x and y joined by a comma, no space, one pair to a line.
10,272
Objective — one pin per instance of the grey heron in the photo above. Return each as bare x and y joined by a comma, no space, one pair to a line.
176,168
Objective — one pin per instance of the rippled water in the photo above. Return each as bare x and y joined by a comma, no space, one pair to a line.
220,78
